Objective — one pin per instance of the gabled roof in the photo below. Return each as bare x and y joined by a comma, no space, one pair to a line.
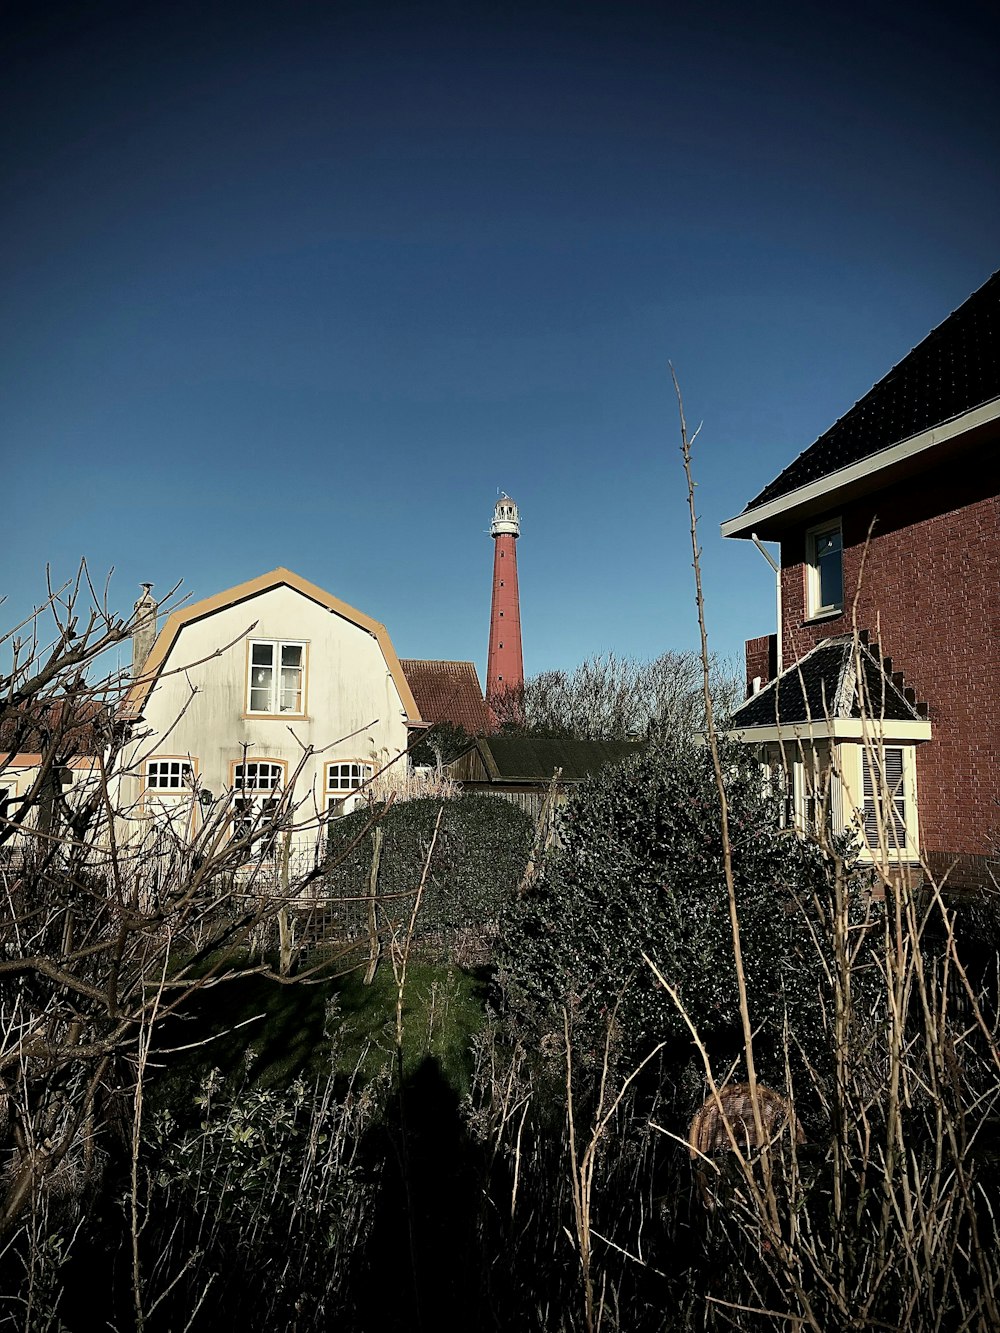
447,692
839,681
277,578
955,370
527,759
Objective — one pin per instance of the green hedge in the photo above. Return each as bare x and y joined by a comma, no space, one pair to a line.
479,858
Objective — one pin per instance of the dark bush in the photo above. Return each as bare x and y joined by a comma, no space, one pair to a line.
479,859
444,741
641,872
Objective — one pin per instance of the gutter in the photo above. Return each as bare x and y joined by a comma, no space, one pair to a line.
743,525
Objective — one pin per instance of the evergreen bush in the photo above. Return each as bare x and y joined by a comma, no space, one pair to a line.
479,859
640,872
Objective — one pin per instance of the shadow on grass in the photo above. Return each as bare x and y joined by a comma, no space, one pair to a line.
424,1267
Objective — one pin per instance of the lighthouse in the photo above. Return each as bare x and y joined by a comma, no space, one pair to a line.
504,666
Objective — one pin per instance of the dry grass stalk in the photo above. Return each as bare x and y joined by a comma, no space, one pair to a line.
905,1228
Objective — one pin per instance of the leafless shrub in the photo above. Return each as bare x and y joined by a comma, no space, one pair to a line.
104,935
619,698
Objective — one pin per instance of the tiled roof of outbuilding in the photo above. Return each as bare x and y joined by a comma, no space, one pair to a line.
531,759
824,685
77,727
447,692
955,369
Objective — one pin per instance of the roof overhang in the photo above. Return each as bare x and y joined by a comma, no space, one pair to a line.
887,466
139,691
861,730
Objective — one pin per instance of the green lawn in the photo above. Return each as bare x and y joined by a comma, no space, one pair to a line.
269,1033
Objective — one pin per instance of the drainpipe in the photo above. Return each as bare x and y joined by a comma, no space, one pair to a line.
777,587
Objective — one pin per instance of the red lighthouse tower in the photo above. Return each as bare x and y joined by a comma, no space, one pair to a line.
505,666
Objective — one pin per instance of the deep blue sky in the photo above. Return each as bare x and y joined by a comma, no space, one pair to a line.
305,284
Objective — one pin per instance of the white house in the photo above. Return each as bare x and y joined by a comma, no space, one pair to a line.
272,691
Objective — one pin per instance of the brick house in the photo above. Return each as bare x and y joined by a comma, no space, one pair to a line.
889,524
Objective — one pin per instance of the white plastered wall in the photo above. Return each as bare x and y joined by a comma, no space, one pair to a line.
198,708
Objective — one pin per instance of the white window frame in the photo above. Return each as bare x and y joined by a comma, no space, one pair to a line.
179,771
778,783
869,759
884,792
799,777
168,783
254,791
342,786
815,607
277,668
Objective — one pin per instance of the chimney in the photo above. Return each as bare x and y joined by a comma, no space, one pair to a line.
761,662
143,629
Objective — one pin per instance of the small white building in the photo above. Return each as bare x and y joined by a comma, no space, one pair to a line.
271,693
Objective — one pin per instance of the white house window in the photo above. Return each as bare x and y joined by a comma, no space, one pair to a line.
885,805
341,780
778,784
257,785
825,569
168,799
169,775
276,677
258,776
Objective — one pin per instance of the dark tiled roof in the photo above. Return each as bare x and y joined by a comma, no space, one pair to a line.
528,759
823,685
954,369
83,728
447,692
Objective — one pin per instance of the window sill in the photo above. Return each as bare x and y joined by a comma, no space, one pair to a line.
822,616
275,717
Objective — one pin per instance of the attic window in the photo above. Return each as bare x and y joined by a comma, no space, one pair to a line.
276,678
824,570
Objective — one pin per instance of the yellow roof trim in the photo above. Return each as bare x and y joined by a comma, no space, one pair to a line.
139,692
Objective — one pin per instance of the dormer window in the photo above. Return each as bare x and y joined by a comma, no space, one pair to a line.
824,570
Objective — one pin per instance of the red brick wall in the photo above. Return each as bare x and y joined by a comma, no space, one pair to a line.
504,662
931,593
760,660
